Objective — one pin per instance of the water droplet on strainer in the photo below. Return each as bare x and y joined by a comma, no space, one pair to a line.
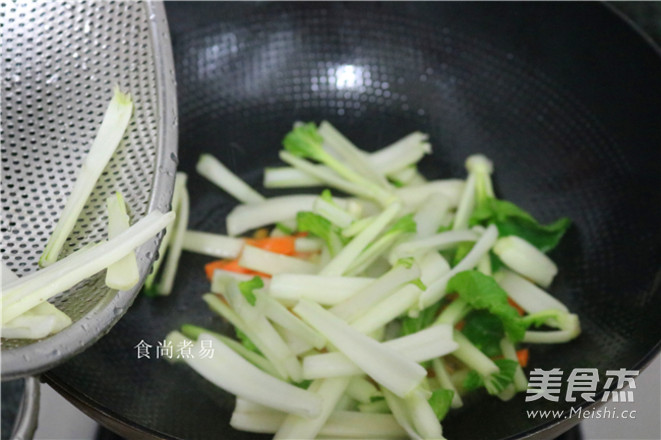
56,352
174,158
26,358
53,78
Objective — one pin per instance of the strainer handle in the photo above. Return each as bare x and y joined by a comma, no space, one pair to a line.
28,412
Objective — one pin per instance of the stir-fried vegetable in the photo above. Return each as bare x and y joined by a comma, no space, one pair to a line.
387,299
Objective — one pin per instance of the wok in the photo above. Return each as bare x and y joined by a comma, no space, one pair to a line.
564,98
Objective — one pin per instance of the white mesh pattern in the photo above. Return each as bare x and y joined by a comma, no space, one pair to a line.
60,61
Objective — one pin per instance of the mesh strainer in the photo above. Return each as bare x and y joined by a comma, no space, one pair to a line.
60,61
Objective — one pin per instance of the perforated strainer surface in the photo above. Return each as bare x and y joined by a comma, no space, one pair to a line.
60,61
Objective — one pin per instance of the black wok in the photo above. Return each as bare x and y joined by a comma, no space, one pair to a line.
564,97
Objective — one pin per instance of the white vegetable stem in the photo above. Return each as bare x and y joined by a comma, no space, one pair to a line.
332,213
422,415
436,290
231,372
166,282
418,347
38,322
385,311
287,177
219,276
211,168
277,209
470,355
271,353
327,176
466,205
261,260
442,241
340,424
123,274
342,261
569,329
387,161
430,215
381,288
279,314
110,133
353,157
525,259
362,390
401,414
326,290
383,364
530,297
20,296
444,380
213,245
509,352
296,427
305,244
254,358
166,240
400,154
413,196
278,352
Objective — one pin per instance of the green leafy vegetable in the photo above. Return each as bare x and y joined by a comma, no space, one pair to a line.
284,228
423,320
321,227
406,262
419,284
406,224
462,250
440,402
305,141
553,318
305,384
496,262
482,292
327,196
485,331
245,340
247,287
512,220
472,381
496,382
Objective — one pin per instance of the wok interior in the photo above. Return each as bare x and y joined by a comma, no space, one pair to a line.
533,86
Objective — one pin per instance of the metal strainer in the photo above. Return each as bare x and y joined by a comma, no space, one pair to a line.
60,61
